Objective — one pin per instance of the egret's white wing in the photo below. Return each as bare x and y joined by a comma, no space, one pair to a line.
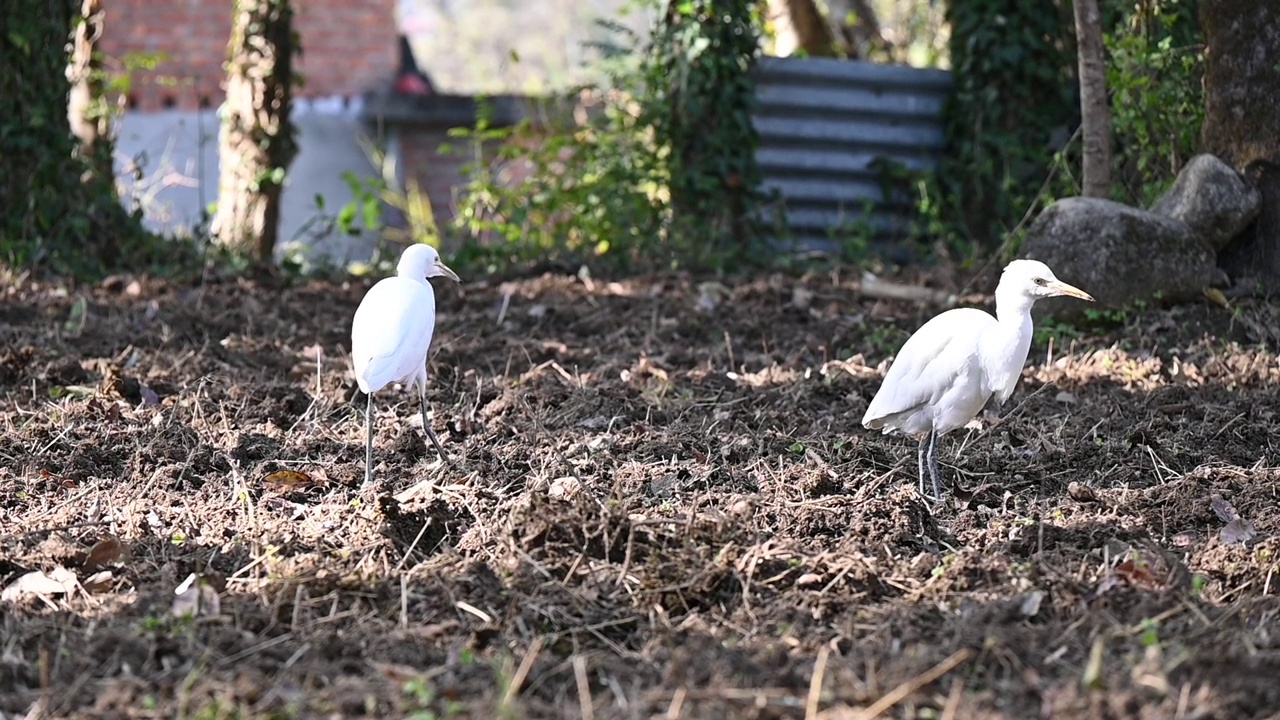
391,332
927,365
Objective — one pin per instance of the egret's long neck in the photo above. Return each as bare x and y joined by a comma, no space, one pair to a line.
1013,308
415,274
1005,351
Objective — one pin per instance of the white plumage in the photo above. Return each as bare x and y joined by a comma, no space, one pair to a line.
948,369
391,334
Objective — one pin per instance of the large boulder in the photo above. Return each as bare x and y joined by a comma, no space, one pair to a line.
1212,198
1118,254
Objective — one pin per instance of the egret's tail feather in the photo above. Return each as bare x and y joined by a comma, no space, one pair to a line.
375,373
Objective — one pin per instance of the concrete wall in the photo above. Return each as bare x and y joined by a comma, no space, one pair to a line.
176,152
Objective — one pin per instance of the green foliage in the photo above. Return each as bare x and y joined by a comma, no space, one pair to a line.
1054,329
1014,107
702,101
659,166
1154,71
1011,123
57,214
586,191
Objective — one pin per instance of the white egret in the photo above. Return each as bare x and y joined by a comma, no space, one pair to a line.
948,369
391,333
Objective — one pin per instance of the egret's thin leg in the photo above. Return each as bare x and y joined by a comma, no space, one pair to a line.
924,441
368,439
933,464
426,424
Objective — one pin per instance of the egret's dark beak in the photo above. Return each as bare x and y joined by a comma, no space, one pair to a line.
1060,288
442,270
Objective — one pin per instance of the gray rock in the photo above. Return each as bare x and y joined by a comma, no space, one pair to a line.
1118,254
1212,198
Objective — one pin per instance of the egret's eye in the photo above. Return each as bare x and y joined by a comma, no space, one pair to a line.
1040,281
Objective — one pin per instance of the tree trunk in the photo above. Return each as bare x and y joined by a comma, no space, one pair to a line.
859,28
256,143
1095,117
86,106
800,26
1241,107
58,212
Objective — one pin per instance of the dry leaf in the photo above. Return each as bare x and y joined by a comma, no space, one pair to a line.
1238,530
107,551
285,479
801,297
398,674
1066,398
100,581
149,396
1081,493
1223,509
1136,573
58,581
1030,604
1215,296
196,597
564,487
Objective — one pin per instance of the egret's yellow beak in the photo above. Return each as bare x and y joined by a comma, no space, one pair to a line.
1060,288
442,270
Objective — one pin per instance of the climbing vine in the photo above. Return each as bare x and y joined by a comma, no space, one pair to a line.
1013,110
1154,72
702,100
57,214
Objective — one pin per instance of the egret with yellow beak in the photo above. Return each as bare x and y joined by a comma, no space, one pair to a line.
391,334
945,372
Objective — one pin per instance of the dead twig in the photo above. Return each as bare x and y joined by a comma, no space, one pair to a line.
584,688
522,672
902,692
56,528
815,683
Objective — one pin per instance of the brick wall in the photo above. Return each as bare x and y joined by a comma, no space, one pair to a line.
349,47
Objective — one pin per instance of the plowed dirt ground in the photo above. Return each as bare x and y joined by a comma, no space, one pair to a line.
661,505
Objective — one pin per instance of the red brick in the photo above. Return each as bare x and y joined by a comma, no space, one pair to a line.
349,46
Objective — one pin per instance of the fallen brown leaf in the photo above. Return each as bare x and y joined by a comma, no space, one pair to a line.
107,551
288,479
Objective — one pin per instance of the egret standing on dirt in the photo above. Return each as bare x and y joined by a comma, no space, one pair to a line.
953,364
391,334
